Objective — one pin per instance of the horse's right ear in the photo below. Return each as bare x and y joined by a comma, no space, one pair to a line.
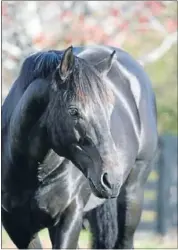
67,63
105,65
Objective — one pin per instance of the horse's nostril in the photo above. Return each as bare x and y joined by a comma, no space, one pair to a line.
105,181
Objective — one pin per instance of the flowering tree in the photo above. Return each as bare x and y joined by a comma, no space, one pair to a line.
34,25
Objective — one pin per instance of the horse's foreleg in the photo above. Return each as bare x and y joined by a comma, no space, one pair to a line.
35,243
130,203
129,212
65,234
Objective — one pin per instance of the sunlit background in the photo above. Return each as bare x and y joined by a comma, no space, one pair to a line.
148,31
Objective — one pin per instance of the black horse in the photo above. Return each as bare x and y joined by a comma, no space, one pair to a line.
75,123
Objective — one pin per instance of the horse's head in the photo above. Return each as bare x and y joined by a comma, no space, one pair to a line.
78,121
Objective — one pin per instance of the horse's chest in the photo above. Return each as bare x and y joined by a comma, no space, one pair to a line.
58,188
51,200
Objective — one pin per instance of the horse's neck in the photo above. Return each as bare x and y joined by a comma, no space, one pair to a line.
38,145
11,102
20,171
26,117
28,140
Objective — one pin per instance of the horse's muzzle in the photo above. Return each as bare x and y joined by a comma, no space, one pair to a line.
104,189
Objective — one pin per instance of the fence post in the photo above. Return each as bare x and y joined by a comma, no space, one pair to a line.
163,201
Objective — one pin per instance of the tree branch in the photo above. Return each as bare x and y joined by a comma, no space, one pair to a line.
160,51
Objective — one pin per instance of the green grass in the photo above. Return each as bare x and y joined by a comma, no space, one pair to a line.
144,241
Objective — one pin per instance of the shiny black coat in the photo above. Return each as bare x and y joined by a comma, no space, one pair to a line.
40,187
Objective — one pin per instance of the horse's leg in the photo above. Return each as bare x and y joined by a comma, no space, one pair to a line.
129,212
130,203
52,232
65,234
35,243
19,234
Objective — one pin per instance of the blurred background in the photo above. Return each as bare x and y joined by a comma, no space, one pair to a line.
145,29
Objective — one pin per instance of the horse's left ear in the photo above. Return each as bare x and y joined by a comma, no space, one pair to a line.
105,65
67,63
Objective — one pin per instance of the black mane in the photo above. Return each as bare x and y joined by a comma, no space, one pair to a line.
38,65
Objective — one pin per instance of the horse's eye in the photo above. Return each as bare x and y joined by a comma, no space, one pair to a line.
73,112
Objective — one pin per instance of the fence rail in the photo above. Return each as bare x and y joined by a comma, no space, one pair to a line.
160,204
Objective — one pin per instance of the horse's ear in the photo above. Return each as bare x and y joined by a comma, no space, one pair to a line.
67,63
105,65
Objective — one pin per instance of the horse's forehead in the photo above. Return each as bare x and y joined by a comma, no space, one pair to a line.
108,98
